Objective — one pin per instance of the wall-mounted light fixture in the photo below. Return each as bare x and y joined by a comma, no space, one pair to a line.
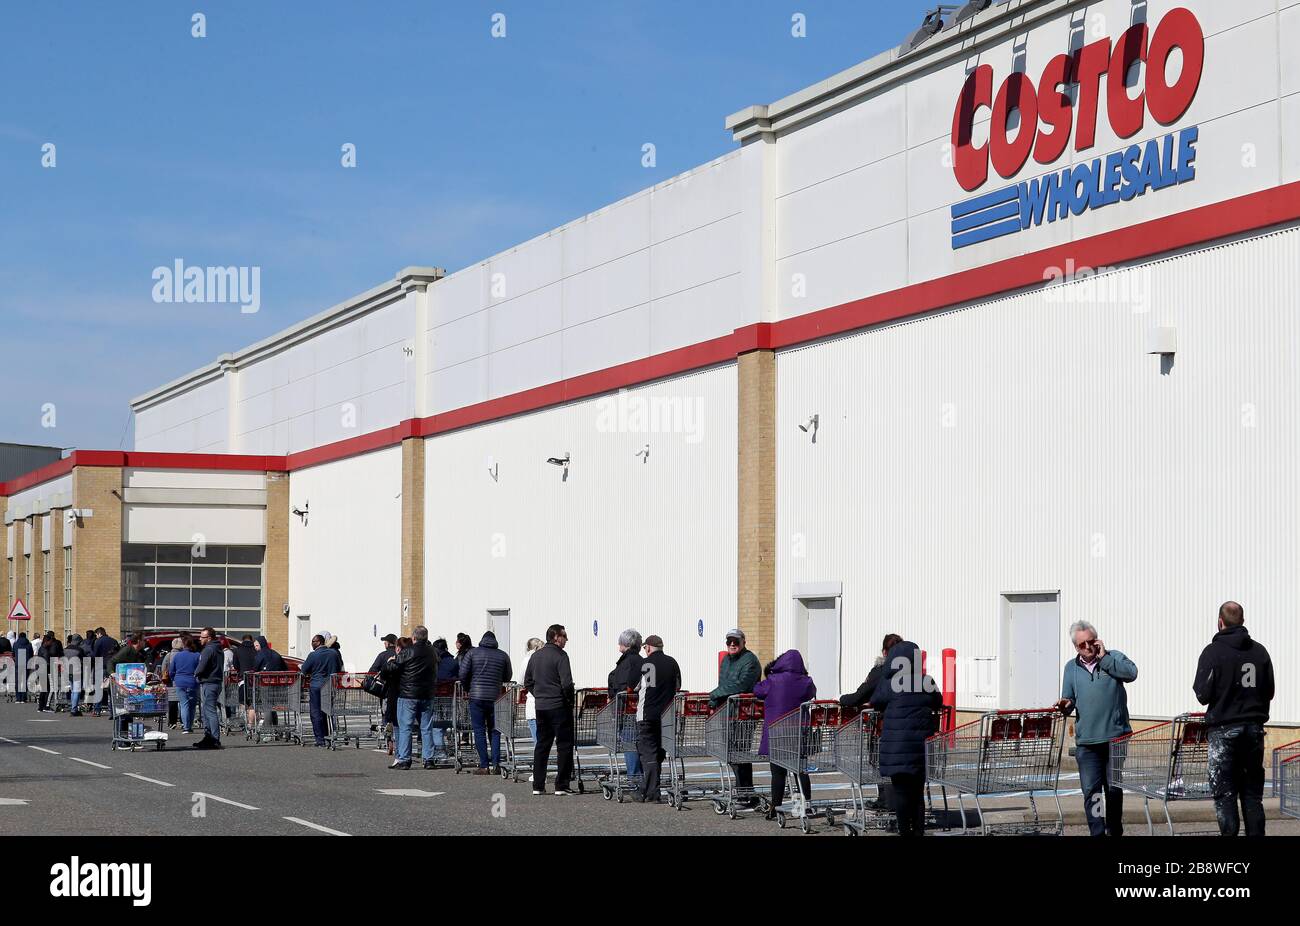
811,425
930,26
644,453
561,461
301,512
493,468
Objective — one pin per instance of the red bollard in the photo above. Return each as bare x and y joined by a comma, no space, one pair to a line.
950,689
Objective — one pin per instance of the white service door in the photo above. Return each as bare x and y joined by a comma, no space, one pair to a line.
499,624
302,639
1032,653
822,642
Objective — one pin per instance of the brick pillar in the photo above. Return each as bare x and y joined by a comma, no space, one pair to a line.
412,533
5,553
756,508
56,572
36,594
97,549
275,569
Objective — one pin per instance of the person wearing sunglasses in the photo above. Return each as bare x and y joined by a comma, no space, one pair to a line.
1093,685
738,673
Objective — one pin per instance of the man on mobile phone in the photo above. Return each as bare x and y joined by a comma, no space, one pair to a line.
1094,686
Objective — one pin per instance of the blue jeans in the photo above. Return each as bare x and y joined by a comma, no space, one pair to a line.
1094,767
211,692
74,699
411,711
482,717
185,701
628,737
532,728
319,727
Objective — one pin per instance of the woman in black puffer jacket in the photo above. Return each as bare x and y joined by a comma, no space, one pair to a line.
909,700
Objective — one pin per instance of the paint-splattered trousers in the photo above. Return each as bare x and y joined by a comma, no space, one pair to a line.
1236,768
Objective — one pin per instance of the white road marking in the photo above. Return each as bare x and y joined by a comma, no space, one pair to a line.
8,740
409,792
152,781
316,826
42,720
43,749
12,802
88,762
224,800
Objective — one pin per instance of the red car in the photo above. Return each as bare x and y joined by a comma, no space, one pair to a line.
158,643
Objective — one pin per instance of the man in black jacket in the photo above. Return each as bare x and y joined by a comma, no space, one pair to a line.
105,647
209,673
412,672
550,680
482,673
1234,679
660,679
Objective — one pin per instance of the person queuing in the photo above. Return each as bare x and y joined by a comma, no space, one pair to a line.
549,678
181,670
626,676
23,656
245,662
411,672
786,686
463,645
738,674
861,698
661,678
209,672
1093,685
388,652
74,654
909,699
389,705
482,673
1234,680
268,660
50,650
323,662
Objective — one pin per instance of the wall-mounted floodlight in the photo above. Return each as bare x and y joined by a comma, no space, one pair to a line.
301,513
930,26
493,468
561,461
970,9
811,425
644,453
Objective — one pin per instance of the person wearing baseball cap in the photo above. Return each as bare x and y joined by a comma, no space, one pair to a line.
390,645
738,673
661,677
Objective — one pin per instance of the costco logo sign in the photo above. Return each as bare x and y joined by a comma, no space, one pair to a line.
1062,110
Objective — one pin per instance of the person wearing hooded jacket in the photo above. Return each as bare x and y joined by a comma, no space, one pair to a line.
50,650
74,654
786,686
909,699
267,659
22,656
1234,680
483,670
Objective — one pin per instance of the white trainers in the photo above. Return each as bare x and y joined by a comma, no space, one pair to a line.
560,792
539,792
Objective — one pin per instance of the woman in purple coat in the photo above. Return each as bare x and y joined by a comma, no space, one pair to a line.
786,686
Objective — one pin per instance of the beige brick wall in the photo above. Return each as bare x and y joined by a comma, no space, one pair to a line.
36,594
4,559
412,533
275,574
56,576
97,553
756,509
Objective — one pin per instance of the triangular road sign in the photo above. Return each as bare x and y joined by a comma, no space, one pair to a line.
19,611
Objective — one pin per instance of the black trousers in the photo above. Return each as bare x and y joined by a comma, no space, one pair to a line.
1236,767
779,777
744,775
909,804
554,727
650,749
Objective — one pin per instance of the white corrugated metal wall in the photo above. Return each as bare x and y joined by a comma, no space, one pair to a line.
626,541
1031,443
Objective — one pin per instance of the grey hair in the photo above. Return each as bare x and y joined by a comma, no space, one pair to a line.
1082,625
420,634
534,644
630,638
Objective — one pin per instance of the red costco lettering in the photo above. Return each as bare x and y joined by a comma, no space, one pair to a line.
1047,116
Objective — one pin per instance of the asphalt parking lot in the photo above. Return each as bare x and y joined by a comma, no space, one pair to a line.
58,776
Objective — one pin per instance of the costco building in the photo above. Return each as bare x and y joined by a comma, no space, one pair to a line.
988,334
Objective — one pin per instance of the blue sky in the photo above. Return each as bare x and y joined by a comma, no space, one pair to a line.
225,150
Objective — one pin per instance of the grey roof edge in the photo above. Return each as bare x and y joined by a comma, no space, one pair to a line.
374,298
888,67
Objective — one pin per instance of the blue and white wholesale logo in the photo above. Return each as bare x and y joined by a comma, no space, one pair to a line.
1119,177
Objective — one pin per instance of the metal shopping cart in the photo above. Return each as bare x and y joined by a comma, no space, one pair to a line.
616,730
593,764
233,708
509,716
857,756
684,724
1168,762
1002,754
1286,777
276,699
8,677
732,736
802,742
356,716
139,714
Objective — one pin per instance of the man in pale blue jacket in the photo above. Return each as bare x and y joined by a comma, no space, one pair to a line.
1094,686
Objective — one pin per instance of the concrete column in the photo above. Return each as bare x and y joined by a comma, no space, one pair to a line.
97,549
412,533
275,567
756,503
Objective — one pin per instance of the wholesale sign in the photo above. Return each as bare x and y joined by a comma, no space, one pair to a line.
1062,110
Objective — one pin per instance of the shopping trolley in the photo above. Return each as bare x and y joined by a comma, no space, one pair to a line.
1002,754
684,723
591,765
276,699
802,742
509,717
856,753
233,711
139,714
732,736
1169,762
444,722
616,730
1286,775
8,677
356,716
